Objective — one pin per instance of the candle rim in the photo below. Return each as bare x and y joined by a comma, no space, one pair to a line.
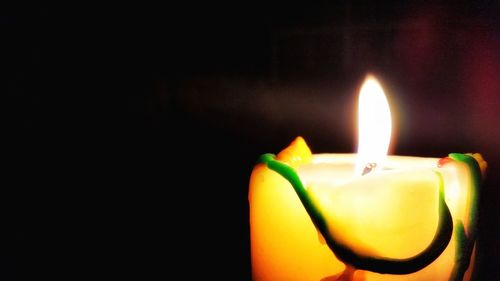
392,161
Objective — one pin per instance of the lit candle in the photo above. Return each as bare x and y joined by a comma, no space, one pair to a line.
364,216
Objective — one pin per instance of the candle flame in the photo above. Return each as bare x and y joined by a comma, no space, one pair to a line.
374,127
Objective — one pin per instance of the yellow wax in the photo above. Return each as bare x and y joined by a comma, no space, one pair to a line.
389,213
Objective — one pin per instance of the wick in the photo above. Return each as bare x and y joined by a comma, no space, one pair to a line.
368,168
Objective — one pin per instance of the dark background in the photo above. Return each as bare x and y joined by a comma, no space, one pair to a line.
131,131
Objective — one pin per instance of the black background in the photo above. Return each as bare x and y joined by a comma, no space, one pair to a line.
131,130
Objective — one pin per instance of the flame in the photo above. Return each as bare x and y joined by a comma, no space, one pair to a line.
374,126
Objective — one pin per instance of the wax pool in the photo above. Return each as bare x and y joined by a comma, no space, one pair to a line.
390,214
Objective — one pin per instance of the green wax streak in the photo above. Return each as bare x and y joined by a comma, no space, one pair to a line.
475,171
465,243
463,253
375,264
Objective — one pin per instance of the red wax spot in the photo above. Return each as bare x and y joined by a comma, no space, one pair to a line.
443,161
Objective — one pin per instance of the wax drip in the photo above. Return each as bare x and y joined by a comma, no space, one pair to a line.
466,239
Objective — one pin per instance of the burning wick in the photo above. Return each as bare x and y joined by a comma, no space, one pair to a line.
368,168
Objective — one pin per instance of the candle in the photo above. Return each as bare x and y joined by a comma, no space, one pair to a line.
364,216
